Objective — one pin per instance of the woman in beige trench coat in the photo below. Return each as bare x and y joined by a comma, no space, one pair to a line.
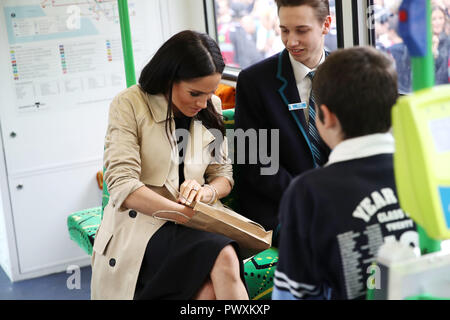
142,250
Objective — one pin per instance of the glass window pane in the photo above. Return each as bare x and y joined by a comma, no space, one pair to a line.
388,40
248,31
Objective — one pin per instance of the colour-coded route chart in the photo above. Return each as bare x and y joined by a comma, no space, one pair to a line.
67,53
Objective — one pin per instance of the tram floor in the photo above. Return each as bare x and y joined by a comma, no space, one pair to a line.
58,286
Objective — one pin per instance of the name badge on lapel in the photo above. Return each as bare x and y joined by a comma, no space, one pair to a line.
297,106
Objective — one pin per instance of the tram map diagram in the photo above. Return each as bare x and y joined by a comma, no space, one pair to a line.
67,50
40,20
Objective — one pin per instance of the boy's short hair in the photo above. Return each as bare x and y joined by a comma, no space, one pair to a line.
321,7
358,85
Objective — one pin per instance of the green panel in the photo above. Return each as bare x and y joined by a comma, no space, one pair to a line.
127,46
105,194
425,296
423,67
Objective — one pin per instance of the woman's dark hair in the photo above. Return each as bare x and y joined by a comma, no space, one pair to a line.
185,56
359,85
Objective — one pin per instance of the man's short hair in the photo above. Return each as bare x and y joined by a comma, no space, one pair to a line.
321,7
359,85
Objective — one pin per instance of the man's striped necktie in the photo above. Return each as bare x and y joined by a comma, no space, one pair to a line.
317,145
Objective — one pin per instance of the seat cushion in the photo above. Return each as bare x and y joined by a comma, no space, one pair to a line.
259,272
83,225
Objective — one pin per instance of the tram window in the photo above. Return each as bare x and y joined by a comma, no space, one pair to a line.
388,40
248,30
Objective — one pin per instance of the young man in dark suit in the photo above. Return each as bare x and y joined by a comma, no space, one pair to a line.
274,94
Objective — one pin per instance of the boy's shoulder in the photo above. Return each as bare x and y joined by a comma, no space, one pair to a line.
318,174
339,172
308,182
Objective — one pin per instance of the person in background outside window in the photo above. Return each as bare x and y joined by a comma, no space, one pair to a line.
399,52
382,41
265,34
243,36
440,45
331,37
224,21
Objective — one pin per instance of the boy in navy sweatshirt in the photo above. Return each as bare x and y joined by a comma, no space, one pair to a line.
335,218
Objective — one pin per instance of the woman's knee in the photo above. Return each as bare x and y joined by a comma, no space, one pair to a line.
226,276
227,262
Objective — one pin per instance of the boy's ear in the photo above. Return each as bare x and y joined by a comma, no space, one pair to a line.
329,118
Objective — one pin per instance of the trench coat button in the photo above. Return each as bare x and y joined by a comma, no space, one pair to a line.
132,214
112,262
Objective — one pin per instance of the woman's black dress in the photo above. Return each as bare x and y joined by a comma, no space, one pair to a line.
178,260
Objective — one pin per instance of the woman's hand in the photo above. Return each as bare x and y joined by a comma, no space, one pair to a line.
191,190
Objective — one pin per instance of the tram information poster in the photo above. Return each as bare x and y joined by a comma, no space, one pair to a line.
68,53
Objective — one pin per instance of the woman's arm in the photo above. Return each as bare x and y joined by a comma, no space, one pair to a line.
148,202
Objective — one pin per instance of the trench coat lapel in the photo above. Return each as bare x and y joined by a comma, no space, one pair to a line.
199,139
158,107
